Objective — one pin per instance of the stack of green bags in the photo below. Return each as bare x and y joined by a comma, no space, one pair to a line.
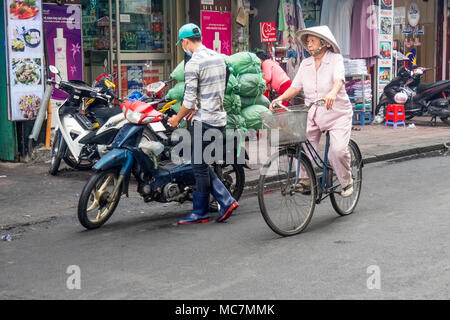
244,101
246,67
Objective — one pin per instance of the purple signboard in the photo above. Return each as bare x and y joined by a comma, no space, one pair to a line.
62,28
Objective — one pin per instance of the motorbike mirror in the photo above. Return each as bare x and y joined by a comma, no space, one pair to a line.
54,69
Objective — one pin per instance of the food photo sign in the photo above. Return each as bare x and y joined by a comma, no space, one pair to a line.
25,57
386,37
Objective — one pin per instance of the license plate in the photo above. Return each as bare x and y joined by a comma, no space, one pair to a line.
157,127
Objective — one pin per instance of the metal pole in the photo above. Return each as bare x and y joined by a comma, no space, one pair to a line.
165,8
119,75
111,39
445,63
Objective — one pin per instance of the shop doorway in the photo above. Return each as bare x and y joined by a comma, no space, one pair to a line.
139,49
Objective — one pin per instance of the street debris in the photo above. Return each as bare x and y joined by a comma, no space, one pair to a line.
7,238
411,126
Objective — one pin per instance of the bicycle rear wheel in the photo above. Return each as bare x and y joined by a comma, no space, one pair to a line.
346,206
286,208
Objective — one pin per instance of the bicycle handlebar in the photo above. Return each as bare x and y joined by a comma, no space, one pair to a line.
279,104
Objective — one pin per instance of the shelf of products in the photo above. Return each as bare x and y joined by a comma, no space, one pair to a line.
359,90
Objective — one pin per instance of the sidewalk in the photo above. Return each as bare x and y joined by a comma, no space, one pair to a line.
27,192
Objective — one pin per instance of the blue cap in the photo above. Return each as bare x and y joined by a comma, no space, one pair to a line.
187,31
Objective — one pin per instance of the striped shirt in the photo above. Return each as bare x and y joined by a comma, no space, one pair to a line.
205,76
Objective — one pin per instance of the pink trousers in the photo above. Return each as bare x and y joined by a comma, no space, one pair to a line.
339,154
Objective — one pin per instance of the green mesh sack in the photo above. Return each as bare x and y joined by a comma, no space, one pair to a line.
244,62
250,101
232,104
178,72
235,121
252,116
233,85
177,92
252,85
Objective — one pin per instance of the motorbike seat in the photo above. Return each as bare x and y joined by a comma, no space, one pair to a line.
425,86
106,113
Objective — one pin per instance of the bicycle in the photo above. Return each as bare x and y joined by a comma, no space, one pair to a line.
282,181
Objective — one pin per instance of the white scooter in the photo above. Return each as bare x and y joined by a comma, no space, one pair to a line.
86,124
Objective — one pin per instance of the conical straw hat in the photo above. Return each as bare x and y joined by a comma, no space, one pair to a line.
322,32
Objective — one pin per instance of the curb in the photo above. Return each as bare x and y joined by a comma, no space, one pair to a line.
405,153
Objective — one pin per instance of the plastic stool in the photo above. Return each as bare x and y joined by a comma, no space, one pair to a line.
359,117
395,115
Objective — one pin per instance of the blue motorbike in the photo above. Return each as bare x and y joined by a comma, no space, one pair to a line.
137,150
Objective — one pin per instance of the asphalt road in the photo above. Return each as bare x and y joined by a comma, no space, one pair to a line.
400,232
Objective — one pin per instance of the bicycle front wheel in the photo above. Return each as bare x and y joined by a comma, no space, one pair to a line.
346,206
286,207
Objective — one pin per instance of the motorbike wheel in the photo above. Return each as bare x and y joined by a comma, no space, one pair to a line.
95,206
233,178
55,160
84,165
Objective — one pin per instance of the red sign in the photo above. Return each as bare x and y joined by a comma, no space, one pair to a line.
268,32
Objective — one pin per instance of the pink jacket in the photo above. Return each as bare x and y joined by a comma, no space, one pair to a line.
274,74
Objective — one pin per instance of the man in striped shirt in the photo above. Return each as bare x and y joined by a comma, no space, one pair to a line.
205,80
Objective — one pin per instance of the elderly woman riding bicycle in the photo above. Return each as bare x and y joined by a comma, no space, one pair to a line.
323,76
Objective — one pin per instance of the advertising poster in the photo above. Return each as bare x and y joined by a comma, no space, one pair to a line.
386,38
268,32
62,26
216,31
25,56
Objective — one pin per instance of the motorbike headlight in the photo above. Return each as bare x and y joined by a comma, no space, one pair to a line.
134,117
147,120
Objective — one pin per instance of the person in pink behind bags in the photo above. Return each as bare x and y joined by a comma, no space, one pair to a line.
322,76
276,78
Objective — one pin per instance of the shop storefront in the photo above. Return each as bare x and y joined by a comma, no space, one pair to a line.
146,47
83,39
372,34
415,34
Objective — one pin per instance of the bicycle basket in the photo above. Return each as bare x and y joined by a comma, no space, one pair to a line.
290,125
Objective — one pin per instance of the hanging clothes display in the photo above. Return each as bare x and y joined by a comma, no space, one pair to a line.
364,35
337,15
289,20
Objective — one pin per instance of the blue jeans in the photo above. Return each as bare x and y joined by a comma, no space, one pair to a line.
202,171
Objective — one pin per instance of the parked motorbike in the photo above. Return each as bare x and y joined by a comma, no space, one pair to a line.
419,99
81,138
135,151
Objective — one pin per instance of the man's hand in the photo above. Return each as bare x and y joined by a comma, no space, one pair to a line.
330,99
174,121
